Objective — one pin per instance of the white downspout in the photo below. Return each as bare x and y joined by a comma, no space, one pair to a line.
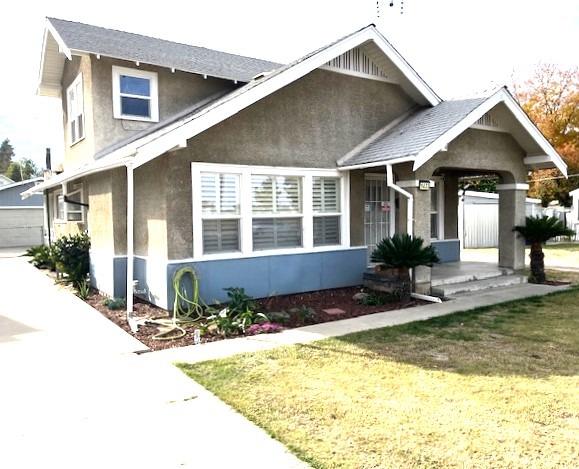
408,195
130,245
409,223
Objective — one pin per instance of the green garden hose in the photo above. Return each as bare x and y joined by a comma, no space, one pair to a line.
185,310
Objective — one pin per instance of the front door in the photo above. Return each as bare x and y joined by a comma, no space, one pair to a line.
378,211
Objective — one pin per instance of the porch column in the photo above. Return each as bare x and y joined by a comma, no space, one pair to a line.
421,228
511,213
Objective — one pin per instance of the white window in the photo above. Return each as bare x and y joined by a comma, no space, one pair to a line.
276,208
75,110
220,212
252,211
437,210
74,209
135,94
58,206
326,207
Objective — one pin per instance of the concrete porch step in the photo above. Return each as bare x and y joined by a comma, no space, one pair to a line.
454,289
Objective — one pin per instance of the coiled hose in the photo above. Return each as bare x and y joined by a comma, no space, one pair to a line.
185,310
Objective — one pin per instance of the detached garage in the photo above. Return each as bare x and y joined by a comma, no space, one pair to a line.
21,221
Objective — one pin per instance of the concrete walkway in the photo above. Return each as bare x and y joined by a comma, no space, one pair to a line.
302,335
74,395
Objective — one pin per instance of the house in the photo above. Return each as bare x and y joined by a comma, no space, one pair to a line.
276,178
5,180
21,221
478,218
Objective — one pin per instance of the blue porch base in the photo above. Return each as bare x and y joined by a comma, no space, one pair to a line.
448,250
260,276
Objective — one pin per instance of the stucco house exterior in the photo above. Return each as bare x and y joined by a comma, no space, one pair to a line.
276,178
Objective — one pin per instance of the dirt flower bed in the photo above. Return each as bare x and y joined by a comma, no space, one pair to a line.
288,310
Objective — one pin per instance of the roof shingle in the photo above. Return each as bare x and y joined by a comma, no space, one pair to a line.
414,133
150,50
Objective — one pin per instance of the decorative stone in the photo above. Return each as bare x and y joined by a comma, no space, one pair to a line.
334,311
360,297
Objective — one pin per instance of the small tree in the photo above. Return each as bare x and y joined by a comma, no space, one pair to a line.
71,257
6,155
537,231
404,252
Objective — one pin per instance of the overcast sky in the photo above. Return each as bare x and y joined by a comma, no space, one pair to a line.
460,47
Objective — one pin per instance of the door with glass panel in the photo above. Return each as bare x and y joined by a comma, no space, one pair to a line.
378,211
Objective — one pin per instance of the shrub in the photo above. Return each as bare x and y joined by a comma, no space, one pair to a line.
83,289
42,257
71,257
114,303
240,313
239,301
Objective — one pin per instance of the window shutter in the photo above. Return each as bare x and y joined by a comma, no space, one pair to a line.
326,231
262,194
209,195
229,193
326,195
288,194
220,236
275,233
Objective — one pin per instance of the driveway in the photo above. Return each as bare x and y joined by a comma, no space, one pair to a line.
74,395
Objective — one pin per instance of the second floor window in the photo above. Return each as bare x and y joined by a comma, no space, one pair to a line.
135,94
75,110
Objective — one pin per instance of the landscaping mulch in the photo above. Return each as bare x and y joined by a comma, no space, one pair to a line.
317,301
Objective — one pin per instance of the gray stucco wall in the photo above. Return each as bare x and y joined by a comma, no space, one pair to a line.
10,197
176,92
311,123
82,151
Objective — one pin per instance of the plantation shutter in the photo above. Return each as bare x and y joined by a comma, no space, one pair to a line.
276,233
326,201
275,194
220,199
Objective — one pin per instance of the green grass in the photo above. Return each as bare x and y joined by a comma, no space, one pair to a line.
495,387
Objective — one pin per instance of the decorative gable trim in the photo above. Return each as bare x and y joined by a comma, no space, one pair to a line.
356,63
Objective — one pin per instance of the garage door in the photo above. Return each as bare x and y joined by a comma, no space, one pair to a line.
21,227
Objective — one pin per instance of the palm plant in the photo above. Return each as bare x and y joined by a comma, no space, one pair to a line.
537,231
404,252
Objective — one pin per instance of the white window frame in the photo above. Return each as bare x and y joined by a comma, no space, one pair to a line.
246,215
55,196
218,215
73,208
72,117
439,184
153,98
329,214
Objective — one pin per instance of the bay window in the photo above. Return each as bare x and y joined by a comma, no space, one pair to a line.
253,210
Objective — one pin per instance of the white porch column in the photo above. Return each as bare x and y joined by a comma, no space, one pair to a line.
511,213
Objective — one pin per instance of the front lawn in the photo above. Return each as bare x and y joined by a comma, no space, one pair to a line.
494,388
556,255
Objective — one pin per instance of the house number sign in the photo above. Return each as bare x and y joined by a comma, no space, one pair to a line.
424,184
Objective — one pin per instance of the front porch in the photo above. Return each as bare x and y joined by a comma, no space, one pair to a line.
453,278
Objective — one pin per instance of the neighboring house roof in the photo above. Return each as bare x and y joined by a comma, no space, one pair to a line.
9,193
5,180
21,183
72,37
424,133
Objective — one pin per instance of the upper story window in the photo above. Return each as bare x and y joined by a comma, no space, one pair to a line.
75,110
135,94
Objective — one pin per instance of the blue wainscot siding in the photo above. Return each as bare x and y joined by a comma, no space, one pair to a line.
275,275
448,250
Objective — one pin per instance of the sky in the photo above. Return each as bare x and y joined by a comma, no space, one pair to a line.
460,47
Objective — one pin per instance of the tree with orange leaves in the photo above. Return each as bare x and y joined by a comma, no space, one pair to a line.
551,99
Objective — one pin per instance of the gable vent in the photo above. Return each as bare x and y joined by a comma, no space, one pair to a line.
487,121
355,61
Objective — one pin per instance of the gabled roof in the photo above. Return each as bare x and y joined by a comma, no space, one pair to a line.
427,131
5,180
71,37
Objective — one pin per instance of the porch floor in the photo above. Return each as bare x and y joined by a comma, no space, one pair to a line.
464,271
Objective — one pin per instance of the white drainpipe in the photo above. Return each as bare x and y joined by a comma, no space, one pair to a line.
408,195
409,223
130,245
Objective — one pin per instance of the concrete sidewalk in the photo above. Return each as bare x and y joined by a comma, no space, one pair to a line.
302,335
74,395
